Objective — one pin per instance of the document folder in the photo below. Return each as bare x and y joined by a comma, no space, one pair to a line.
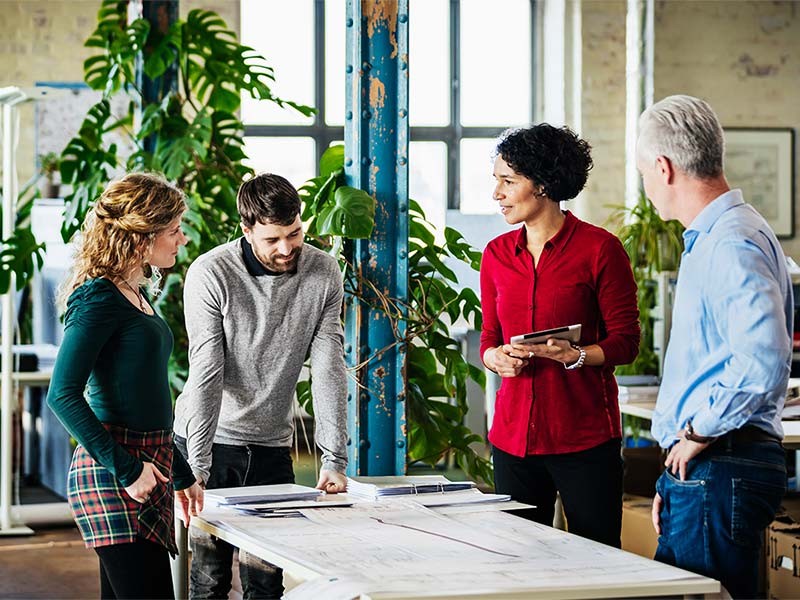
398,485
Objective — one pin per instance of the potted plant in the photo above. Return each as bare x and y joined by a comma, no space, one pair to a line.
49,167
653,246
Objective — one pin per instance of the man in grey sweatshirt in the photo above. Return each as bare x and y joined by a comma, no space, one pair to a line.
256,308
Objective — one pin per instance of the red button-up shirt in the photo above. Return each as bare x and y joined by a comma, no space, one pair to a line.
583,276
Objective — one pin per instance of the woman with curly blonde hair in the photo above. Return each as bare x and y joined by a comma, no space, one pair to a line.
116,348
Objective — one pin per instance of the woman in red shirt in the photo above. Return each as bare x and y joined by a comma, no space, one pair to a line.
556,423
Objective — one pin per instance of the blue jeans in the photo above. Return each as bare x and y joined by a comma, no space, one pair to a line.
212,559
713,522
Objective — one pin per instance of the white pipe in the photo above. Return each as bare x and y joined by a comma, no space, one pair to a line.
639,84
554,33
649,52
7,330
633,97
576,66
48,513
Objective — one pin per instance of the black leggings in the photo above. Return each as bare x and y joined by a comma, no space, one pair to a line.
590,483
135,570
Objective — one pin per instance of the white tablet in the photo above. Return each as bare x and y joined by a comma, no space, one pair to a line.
571,333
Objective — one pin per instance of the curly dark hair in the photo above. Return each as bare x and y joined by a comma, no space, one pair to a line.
552,157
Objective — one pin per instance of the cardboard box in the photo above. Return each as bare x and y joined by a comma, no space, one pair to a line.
638,535
782,555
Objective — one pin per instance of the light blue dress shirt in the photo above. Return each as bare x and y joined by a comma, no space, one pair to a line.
730,349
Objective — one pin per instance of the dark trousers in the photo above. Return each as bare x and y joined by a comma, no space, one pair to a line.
212,558
712,522
136,570
589,481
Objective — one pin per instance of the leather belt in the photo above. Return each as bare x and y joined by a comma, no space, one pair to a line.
749,434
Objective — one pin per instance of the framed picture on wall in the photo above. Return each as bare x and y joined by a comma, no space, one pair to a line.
761,163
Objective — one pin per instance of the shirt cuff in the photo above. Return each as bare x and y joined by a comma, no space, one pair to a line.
706,425
201,476
183,482
130,477
329,465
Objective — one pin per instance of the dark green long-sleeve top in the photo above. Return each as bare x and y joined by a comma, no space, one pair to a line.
119,355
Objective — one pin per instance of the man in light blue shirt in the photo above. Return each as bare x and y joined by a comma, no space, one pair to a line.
727,364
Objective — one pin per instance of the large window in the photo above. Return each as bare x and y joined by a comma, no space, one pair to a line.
471,69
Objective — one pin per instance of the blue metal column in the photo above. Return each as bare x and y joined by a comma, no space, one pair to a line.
376,160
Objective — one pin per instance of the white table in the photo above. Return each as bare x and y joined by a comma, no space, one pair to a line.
475,552
8,524
32,378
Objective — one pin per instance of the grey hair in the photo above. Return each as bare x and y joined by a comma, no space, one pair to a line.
687,131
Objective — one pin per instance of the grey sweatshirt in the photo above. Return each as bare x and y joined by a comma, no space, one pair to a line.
248,339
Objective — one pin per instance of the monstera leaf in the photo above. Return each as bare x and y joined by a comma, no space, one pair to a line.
115,68
22,256
85,165
351,214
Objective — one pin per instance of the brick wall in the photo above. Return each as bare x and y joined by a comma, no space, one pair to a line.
603,106
42,40
744,60
743,57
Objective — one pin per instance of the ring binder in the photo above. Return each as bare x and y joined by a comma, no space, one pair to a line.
377,487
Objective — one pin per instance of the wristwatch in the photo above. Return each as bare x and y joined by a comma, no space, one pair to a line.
689,434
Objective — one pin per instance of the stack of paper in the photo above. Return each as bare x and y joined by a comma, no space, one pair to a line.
638,394
395,485
473,496
261,493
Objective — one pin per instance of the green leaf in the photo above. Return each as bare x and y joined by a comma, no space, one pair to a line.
85,165
421,232
179,153
162,55
352,214
22,256
332,160
114,68
218,68
304,395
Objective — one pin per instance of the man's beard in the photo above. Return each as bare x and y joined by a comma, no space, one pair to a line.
277,263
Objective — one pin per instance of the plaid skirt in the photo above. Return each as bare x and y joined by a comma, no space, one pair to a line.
103,510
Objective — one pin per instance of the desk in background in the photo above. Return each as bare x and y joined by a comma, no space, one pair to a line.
643,405
392,551
644,408
46,448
